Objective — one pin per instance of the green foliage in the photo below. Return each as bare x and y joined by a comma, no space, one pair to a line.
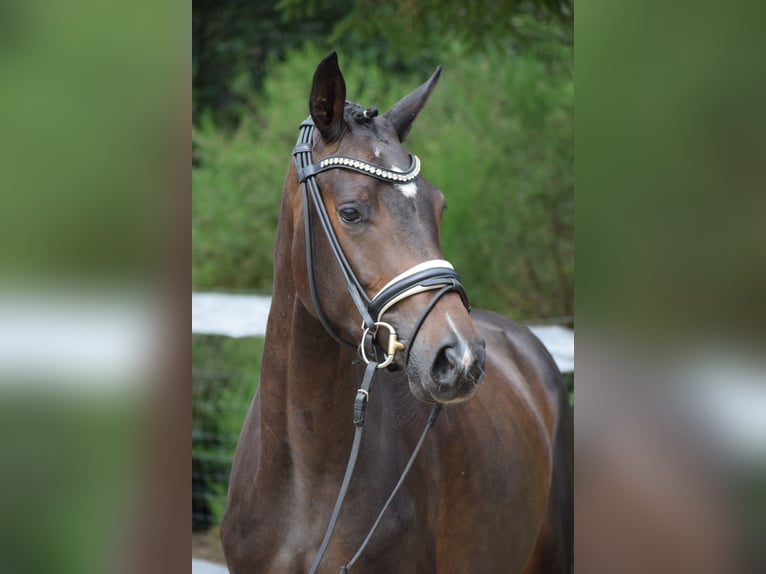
233,212
405,29
233,41
225,375
237,183
498,141
496,137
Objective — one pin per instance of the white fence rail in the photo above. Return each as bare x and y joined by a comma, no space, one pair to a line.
238,315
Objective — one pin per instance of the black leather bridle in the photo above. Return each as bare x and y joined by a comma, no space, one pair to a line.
434,274
430,275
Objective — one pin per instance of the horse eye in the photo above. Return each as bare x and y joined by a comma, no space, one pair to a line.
350,215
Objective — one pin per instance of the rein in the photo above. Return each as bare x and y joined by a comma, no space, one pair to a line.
436,274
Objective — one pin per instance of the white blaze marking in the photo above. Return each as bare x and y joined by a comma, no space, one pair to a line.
376,151
409,190
467,357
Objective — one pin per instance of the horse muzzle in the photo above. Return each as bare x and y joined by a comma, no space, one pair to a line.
451,374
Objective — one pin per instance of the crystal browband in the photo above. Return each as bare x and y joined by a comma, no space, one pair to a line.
358,165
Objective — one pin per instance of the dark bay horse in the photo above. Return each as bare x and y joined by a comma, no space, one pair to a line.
491,490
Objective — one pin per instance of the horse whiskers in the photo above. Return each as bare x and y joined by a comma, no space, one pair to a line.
476,380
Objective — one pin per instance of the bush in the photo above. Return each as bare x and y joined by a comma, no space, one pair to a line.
498,141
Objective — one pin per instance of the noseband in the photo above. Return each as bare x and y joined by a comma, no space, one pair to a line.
435,274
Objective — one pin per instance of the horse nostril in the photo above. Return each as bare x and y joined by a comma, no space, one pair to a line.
447,366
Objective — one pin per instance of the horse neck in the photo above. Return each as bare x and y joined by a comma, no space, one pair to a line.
308,381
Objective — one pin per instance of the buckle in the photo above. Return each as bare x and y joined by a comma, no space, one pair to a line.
394,344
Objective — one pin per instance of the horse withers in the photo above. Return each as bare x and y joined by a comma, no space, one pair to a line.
491,489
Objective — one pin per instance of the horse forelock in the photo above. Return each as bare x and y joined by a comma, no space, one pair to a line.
376,138
354,113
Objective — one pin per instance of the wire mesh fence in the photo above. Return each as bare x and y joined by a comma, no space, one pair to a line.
225,374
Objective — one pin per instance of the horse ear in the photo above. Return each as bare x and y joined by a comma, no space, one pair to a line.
404,112
328,98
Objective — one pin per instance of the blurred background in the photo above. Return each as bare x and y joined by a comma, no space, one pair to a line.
496,137
94,108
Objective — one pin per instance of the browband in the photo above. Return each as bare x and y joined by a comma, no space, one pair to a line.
361,166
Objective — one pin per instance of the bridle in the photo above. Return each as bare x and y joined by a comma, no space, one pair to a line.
435,274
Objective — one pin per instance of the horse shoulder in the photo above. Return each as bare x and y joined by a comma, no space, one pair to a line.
531,370
524,363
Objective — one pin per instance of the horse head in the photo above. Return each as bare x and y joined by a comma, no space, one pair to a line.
387,227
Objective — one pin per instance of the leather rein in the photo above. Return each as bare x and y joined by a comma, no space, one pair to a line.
435,274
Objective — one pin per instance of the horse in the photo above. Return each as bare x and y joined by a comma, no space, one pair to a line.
372,299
